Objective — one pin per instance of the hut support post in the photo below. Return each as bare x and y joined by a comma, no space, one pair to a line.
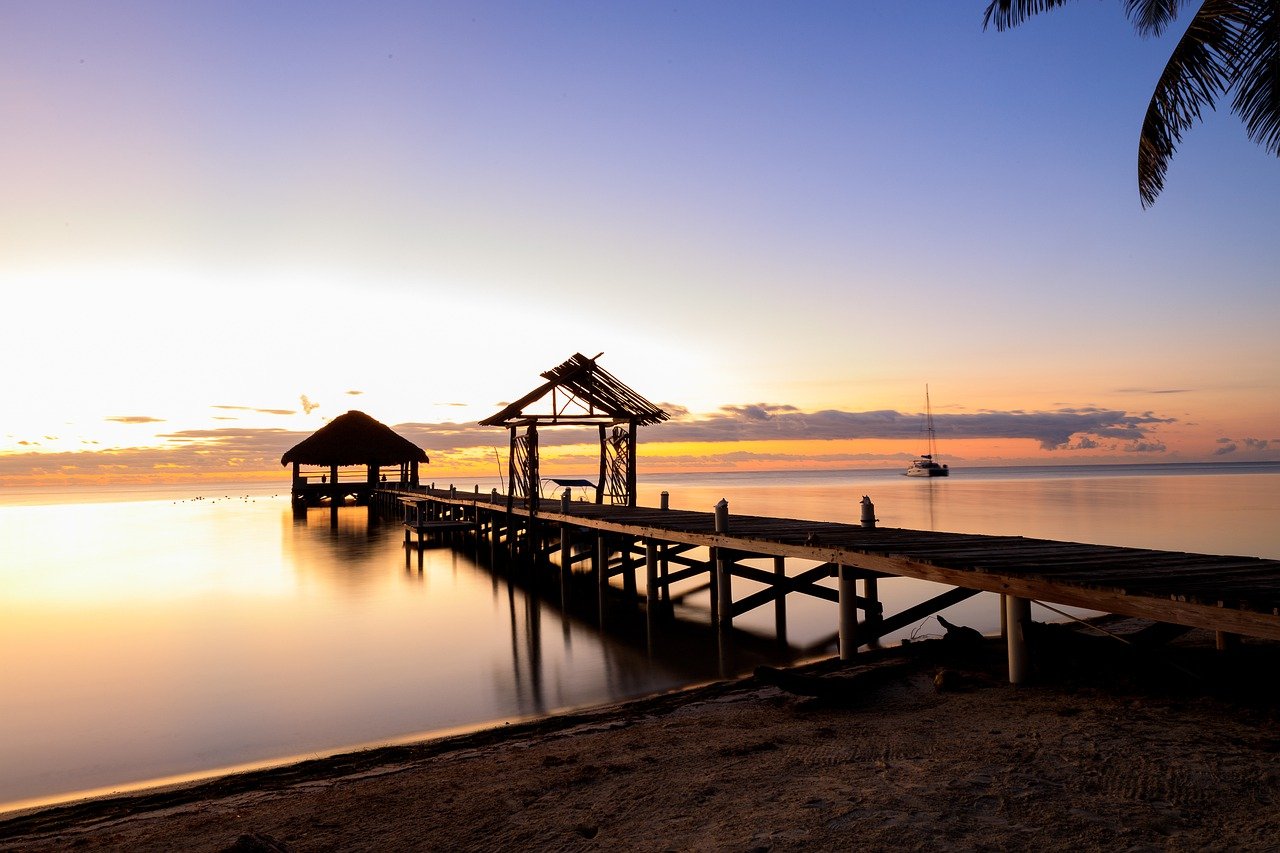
631,464
1018,612
600,487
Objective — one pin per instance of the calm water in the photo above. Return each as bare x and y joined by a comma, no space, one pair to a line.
151,639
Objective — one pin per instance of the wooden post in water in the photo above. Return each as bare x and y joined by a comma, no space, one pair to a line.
566,566
847,588
629,571
1019,616
602,574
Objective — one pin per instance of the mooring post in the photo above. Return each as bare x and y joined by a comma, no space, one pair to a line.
868,512
846,587
724,586
1019,616
564,501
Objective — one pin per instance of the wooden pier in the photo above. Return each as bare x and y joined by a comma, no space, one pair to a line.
1228,595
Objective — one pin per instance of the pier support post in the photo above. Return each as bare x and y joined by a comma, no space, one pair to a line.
650,589
1018,615
873,618
780,600
663,563
724,586
602,574
566,566
847,588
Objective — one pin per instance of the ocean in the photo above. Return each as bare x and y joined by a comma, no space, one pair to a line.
150,636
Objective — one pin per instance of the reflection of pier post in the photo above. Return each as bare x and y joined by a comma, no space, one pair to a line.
533,635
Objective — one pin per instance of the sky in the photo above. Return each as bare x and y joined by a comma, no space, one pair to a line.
224,223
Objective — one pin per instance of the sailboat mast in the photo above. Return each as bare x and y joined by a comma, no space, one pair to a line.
928,420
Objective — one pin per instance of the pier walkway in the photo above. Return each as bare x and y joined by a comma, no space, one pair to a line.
1227,594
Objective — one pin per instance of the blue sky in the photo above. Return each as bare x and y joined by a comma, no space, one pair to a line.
819,205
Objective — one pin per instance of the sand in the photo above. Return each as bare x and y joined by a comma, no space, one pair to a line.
1105,752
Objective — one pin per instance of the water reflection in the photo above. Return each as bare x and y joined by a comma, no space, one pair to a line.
152,638
255,636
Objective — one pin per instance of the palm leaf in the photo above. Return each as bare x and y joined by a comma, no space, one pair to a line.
1256,71
1009,13
1196,74
1151,17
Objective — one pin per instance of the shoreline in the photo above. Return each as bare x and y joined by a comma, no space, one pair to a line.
1099,753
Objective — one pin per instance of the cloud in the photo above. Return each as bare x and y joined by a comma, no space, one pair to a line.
1231,445
135,419
353,393
1051,429
254,409
1154,391
308,407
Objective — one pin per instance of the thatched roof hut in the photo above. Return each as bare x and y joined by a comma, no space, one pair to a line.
352,439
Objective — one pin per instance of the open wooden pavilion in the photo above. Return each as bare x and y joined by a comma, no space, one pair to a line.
352,440
577,393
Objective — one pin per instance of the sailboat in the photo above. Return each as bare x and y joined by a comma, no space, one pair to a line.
926,465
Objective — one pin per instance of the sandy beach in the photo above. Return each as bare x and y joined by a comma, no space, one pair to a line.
924,748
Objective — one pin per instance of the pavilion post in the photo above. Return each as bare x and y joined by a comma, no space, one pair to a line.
600,487
631,463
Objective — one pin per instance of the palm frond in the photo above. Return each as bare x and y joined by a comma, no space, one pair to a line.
1151,17
1196,75
1010,13
1256,71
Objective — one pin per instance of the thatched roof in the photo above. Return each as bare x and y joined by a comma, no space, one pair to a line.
354,439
